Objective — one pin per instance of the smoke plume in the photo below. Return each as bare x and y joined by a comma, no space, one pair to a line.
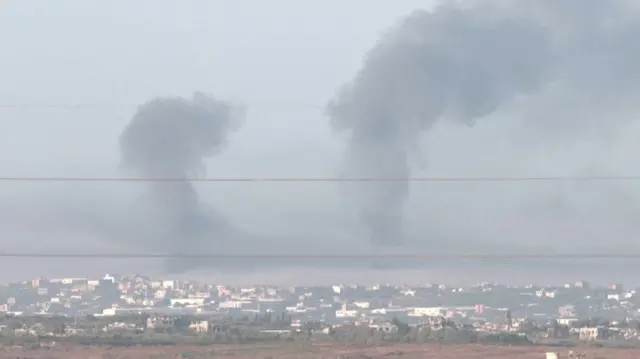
168,138
461,62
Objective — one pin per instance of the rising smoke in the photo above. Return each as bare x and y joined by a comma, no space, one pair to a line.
168,138
460,63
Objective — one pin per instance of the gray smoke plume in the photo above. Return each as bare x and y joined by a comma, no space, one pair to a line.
168,138
461,62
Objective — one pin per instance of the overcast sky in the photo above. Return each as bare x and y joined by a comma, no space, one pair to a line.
284,60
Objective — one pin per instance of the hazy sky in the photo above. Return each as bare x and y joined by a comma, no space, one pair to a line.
282,59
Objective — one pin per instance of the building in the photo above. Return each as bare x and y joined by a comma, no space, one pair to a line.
567,321
161,322
428,312
594,333
199,326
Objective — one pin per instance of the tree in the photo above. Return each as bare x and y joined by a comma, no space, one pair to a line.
13,324
555,327
424,334
403,328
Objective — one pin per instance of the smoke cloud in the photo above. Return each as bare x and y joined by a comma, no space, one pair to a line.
461,62
168,138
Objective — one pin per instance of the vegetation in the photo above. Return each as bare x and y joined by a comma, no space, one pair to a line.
133,330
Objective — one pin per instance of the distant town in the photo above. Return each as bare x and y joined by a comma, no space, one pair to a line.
139,304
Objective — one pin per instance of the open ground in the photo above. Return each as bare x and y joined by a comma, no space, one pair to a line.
316,351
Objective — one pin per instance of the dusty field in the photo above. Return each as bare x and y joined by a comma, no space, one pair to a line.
291,351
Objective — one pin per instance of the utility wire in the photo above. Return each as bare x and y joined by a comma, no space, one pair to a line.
412,257
78,106
323,179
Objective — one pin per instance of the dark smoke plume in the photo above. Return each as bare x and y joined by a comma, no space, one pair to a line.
460,63
169,138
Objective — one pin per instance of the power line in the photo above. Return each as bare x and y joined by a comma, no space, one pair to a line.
413,257
79,106
323,179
